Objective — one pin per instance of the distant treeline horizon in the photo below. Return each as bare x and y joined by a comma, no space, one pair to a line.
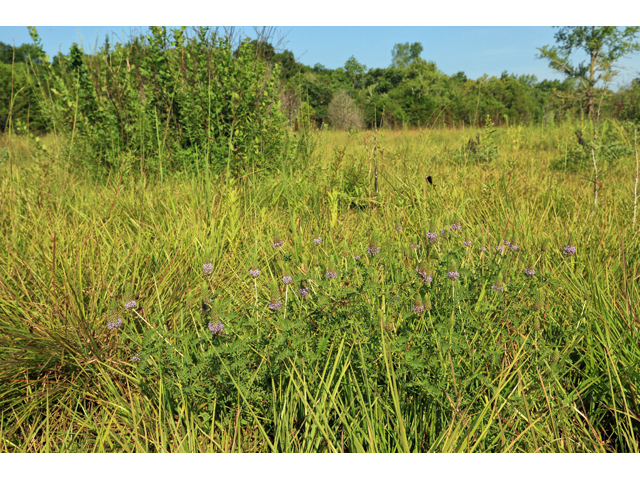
411,92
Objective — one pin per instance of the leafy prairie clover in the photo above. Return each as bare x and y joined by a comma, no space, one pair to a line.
432,234
207,268
216,328
467,241
418,305
253,271
570,248
277,242
545,245
530,270
303,291
457,224
425,272
498,285
374,245
317,239
415,244
513,243
287,279
398,226
275,303
453,272
114,323
331,271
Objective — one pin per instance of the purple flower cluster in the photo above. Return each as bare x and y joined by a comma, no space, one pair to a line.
303,291
277,305
513,247
426,278
397,228
432,236
500,248
467,243
373,250
135,358
529,271
418,308
207,268
254,272
277,243
356,258
455,226
569,250
482,249
497,288
317,241
287,279
216,328
453,275
413,246
114,325
331,274
130,304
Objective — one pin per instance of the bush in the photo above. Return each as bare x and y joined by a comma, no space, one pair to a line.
343,113
163,94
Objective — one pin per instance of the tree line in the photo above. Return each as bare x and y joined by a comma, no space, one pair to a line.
410,92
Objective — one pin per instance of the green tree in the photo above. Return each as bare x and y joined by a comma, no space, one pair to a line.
403,54
603,46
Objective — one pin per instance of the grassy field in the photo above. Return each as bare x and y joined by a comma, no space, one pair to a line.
130,322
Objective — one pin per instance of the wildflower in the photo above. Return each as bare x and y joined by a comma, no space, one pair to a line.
545,245
216,328
425,272
569,250
453,272
130,304
432,236
115,324
500,249
418,306
275,304
529,271
513,247
287,279
254,272
303,291
136,357
467,243
331,274
356,258
207,268
277,242
482,249
498,286
398,227
413,246
317,240
373,250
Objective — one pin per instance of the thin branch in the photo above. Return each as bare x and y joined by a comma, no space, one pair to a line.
635,190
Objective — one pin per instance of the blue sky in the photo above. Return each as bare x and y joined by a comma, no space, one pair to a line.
474,50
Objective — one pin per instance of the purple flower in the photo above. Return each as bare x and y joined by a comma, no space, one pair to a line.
513,246
482,249
278,243
207,268
569,250
497,288
397,228
373,250
356,258
418,308
432,236
317,241
275,305
254,272
455,226
500,248
426,278
467,243
136,357
287,279
453,275
216,328
529,271
413,246
114,325
303,291
331,274
507,243
130,304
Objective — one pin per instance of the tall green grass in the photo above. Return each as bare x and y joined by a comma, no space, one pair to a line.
352,368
